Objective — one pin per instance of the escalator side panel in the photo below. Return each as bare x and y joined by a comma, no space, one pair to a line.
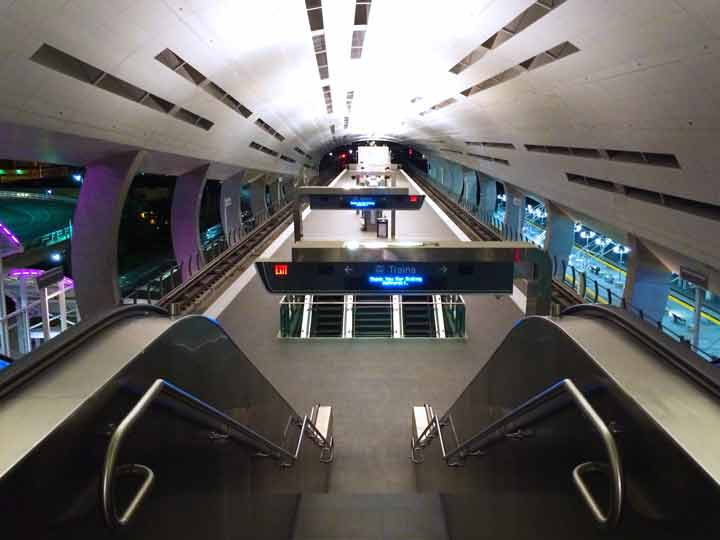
201,481
665,491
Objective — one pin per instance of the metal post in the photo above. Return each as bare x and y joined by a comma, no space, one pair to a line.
62,305
697,316
24,344
297,220
4,339
45,313
393,216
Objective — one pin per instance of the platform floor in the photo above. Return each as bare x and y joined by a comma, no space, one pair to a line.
372,385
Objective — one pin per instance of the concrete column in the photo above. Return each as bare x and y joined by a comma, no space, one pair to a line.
257,197
274,185
457,174
559,237
514,210
185,220
648,281
95,231
471,186
488,192
231,206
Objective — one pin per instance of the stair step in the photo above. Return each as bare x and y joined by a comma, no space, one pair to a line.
382,517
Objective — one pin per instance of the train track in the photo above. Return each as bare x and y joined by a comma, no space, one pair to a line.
198,292
477,230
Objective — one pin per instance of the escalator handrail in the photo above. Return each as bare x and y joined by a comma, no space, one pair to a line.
27,367
614,465
231,427
679,356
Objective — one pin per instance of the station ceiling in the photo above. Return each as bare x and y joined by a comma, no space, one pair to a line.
542,94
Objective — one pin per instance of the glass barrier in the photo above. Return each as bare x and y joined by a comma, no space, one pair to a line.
168,277
373,316
603,282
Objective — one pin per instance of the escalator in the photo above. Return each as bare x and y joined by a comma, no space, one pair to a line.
155,428
418,316
592,401
327,316
372,316
592,425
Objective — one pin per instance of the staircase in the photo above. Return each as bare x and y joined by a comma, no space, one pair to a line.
327,317
418,316
372,320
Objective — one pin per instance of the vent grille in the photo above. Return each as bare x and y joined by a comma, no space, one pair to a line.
362,12
358,40
328,98
622,156
346,122
349,100
302,152
551,55
596,183
267,127
62,62
489,158
173,61
439,106
689,206
332,129
530,16
287,158
263,149
450,150
317,26
506,146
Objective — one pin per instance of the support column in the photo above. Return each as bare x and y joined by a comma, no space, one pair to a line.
488,193
514,210
95,231
257,197
648,282
185,220
559,237
231,206
456,178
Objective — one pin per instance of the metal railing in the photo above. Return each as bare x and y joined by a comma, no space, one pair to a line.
55,313
511,424
216,419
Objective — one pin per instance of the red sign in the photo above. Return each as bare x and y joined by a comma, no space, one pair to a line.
413,198
281,270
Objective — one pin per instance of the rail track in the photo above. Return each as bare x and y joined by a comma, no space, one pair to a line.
200,290
562,294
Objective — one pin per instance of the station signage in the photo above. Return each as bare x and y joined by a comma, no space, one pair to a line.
354,201
478,277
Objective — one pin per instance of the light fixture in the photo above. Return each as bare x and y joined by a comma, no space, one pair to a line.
55,257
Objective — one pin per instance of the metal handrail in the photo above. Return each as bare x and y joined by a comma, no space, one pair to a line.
473,445
228,425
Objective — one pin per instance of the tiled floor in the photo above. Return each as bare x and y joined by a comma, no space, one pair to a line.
371,384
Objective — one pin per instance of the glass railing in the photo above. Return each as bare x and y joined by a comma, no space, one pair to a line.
374,316
596,286
170,276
